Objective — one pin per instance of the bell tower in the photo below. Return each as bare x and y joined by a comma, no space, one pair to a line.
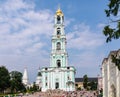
59,57
59,75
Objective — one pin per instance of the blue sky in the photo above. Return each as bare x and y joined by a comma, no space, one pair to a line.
26,27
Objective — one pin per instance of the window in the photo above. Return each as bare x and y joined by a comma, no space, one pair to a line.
58,19
46,78
46,84
45,68
58,31
68,67
58,46
68,78
58,63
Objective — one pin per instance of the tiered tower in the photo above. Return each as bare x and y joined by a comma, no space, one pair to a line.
59,75
59,57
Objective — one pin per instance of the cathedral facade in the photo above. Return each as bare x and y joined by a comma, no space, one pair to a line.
111,76
58,75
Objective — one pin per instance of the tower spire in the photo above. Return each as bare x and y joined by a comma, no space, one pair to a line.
25,77
58,6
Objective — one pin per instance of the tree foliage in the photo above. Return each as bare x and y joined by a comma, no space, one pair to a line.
112,13
16,81
113,32
92,85
85,81
4,78
34,87
12,80
116,61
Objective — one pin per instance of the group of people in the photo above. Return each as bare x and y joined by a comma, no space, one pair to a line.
58,93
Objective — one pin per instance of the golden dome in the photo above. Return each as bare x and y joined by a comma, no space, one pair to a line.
59,12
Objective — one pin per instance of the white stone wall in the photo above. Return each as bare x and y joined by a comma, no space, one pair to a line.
111,77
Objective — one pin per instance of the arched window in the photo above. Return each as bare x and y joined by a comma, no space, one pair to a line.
58,19
58,31
58,63
58,46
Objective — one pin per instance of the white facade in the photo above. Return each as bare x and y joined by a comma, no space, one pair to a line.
111,76
58,78
59,75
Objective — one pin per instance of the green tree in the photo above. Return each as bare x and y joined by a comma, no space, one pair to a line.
16,81
110,31
116,61
85,81
112,13
34,87
92,85
4,79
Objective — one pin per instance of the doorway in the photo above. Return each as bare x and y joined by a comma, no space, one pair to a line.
56,85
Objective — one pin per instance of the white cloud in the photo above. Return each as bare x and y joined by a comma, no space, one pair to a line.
22,26
25,35
101,25
22,32
86,44
86,62
83,38
68,21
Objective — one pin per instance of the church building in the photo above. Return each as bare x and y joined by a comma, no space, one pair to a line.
59,75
